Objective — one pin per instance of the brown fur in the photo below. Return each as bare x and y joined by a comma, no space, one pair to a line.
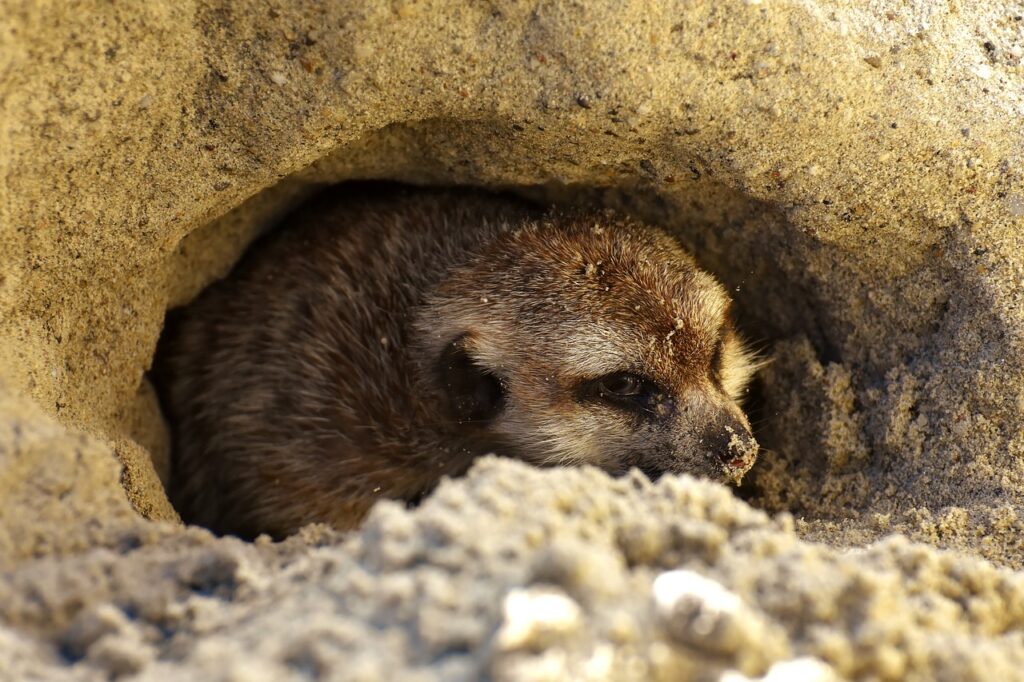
342,360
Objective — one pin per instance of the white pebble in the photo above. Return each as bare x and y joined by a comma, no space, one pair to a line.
675,589
700,612
535,615
805,669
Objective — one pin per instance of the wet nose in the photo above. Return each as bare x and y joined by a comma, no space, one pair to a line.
730,440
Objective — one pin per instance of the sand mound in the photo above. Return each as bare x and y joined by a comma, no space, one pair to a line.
853,173
522,574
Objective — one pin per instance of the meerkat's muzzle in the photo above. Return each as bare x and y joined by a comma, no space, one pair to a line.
713,439
731,442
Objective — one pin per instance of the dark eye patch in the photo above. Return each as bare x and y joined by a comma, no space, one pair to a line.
474,395
629,392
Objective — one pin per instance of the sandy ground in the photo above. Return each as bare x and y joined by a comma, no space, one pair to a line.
851,170
523,574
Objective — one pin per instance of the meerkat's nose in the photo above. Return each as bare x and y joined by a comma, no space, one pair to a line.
730,440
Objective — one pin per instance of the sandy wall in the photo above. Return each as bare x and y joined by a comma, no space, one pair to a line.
852,171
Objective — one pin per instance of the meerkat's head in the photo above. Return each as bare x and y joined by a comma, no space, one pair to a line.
589,340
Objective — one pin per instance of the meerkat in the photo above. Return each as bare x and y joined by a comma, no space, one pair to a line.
376,343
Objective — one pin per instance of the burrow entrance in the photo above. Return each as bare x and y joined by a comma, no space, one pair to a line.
825,410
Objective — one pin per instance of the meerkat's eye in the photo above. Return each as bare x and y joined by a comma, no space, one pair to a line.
627,391
621,385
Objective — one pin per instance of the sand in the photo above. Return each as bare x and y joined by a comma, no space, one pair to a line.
852,171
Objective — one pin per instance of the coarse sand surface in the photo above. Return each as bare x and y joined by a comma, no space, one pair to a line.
851,170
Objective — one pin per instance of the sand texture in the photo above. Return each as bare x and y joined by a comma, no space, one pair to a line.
851,170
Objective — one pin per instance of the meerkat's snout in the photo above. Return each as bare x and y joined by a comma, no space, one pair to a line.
713,438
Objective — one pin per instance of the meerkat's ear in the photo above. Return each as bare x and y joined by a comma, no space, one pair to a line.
738,365
474,394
